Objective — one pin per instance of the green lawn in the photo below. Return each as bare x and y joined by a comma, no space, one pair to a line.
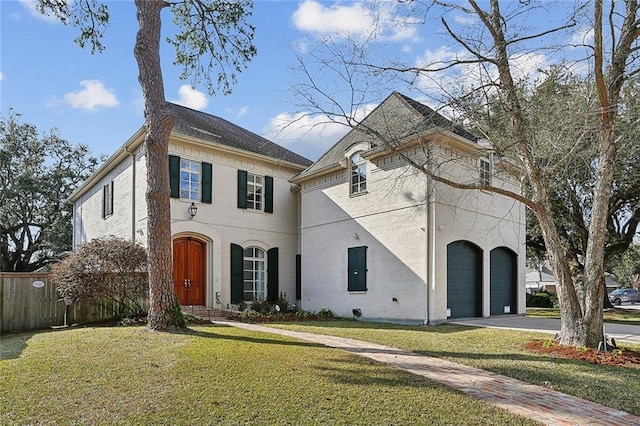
500,351
217,375
617,315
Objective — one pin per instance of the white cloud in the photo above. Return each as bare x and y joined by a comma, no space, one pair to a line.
464,77
243,111
93,95
359,20
30,5
528,65
191,98
464,20
1,76
584,36
308,134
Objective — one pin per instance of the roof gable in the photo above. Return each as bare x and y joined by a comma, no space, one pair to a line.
396,118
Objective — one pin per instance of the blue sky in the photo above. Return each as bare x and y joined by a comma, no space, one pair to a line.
96,99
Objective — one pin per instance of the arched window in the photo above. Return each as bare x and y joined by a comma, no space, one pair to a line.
358,174
254,274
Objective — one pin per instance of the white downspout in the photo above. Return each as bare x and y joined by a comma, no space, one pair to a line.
431,246
133,193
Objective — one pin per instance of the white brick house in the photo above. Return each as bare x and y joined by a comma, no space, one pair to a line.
359,231
247,214
381,240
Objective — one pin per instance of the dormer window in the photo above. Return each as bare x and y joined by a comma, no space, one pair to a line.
358,174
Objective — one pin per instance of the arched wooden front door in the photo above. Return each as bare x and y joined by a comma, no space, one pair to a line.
189,271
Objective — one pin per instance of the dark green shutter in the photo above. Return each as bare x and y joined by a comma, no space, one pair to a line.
237,267
104,201
174,176
111,196
357,269
206,183
298,277
242,189
272,274
268,194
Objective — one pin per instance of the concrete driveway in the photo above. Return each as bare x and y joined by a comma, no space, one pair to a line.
620,332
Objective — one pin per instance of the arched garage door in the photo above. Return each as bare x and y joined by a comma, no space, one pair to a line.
504,282
464,279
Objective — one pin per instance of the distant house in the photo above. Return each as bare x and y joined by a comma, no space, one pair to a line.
359,232
542,279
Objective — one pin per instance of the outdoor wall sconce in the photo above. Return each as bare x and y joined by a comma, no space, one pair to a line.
192,209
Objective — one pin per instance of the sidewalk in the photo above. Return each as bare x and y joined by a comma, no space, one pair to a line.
544,405
621,332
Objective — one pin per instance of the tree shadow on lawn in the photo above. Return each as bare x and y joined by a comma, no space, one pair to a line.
13,344
363,371
275,341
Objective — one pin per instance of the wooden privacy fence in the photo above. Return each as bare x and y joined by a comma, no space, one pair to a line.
25,306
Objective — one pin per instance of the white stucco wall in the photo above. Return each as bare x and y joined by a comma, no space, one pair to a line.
218,224
389,220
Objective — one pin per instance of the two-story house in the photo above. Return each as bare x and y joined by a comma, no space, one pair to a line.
361,231
382,240
234,217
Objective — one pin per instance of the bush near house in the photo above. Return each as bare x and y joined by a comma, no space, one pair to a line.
105,269
543,299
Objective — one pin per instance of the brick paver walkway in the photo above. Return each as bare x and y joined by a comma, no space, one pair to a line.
535,402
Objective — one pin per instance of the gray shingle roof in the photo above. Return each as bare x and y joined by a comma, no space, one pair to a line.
396,118
189,122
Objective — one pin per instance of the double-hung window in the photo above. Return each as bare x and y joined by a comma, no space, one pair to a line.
190,180
255,191
254,274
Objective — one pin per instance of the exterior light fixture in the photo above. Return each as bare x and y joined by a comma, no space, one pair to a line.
192,209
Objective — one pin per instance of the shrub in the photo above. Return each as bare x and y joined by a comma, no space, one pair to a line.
326,313
543,299
111,269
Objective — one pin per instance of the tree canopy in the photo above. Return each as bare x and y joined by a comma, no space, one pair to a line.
563,137
37,175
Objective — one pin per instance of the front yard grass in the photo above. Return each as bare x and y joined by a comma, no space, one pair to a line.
500,351
218,375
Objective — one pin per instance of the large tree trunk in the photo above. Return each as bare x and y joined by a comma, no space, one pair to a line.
164,311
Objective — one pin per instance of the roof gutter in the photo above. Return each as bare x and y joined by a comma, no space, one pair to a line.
123,152
218,146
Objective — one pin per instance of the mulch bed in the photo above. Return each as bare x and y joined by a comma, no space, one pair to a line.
621,357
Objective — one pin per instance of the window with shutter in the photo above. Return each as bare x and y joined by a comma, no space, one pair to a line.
357,269
255,192
107,200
